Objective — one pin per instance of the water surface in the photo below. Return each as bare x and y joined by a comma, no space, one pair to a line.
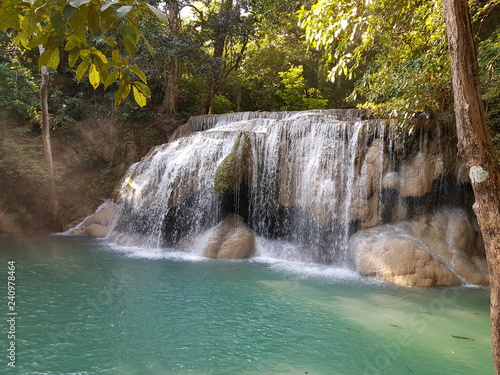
86,307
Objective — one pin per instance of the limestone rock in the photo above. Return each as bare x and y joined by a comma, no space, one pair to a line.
366,197
95,230
230,239
236,167
439,249
98,224
400,260
434,159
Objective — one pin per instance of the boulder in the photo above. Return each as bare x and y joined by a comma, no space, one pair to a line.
399,259
98,224
442,248
230,239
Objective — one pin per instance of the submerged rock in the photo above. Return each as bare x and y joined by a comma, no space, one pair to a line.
437,250
230,239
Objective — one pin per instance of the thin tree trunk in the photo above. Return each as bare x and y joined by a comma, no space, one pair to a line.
169,105
474,142
172,87
47,144
217,70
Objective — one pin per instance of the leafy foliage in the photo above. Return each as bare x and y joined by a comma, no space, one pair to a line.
17,94
404,42
74,26
296,95
489,64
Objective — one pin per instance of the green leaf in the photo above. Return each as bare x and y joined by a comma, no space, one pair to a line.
125,74
108,3
50,58
72,41
82,69
99,56
73,56
112,64
150,48
130,47
112,77
144,89
69,11
110,42
85,55
78,24
123,11
122,93
116,55
130,33
9,18
28,28
78,3
94,77
138,72
159,14
57,21
93,19
139,98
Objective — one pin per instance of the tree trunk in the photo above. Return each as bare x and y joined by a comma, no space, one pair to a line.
474,142
47,144
217,70
169,105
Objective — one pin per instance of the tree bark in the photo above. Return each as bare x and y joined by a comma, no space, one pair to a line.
172,75
217,69
47,144
475,144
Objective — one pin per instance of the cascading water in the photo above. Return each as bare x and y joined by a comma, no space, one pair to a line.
298,182
303,182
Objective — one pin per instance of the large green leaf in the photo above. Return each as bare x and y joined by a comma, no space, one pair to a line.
123,11
130,33
9,17
78,23
93,19
50,58
138,72
94,77
108,3
82,69
112,77
57,21
122,93
99,57
69,11
139,98
73,41
130,47
143,88
159,14
78,3
73,56
28,28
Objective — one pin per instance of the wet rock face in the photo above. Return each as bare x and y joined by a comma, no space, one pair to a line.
443,248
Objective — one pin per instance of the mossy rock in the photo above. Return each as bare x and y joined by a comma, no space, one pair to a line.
235,167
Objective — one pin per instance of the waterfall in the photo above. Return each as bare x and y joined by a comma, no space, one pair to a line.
313,186
298,186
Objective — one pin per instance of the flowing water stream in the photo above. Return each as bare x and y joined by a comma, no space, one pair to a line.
86,306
